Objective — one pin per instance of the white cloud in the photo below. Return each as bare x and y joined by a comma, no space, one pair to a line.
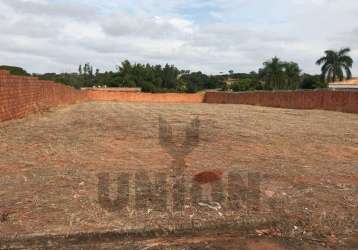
122,24
211,35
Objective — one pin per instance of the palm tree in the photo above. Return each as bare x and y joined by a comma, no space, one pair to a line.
292,74
273,73
336,65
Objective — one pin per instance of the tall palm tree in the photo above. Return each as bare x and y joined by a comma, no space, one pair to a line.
292,73
336,65
273,73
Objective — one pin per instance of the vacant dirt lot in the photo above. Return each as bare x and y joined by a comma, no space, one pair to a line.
307,161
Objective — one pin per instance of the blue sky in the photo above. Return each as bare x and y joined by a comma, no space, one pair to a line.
212,35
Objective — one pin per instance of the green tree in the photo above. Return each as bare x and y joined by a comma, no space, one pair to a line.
15,70
273,74
148,87
278,74
292,74
312,82
246,84
336,65
170,75
241,85
80,69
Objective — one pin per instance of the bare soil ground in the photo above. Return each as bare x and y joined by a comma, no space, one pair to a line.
307,162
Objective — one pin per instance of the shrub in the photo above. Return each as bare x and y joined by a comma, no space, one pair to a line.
191,88
15,70
312,82
148,87
246,85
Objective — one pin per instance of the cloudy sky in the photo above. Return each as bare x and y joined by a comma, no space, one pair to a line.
207,35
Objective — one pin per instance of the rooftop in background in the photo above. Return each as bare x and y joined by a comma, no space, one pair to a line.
346,84
115,89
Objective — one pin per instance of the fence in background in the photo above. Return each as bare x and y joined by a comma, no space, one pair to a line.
20,95
343,101
126,96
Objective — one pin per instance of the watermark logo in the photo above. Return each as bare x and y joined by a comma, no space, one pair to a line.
171,191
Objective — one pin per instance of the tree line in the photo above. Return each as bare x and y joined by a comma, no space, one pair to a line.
274,75
150,78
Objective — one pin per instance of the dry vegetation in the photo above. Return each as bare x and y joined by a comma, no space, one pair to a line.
307,159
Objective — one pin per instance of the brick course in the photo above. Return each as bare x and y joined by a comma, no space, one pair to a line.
20,95
344,101
108,95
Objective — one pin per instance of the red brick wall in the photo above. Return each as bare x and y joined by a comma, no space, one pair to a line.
20,96
108,95
345,101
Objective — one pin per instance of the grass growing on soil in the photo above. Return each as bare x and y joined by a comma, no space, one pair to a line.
307,161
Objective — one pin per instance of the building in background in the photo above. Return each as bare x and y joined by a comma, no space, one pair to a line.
351,84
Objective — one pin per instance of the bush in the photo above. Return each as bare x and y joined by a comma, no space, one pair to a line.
148,87
246,85
15,70
312,82
164,90
191,88
308,83
225,87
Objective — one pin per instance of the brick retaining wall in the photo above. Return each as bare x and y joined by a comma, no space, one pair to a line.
344,101
20,95
108,95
